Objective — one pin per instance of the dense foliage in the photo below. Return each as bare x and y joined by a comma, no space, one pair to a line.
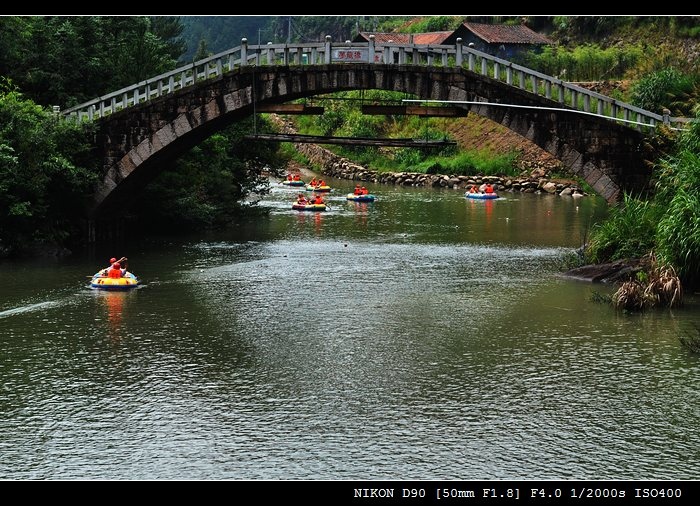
588,62
63,61
224,32
46,171
668,224
667,89
47,168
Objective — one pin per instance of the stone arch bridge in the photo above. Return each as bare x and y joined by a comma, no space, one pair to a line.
142,128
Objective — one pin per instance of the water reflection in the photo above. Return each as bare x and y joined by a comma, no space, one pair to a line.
315,218
115,305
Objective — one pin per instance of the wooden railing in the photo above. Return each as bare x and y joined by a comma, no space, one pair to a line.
567,94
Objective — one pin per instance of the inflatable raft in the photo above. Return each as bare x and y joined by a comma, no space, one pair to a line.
481,196
317,188
361,198
293,183
126,282
309,207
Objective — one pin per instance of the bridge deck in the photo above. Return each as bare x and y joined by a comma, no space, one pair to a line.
323,53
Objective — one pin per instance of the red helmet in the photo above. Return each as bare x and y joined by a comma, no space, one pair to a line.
116,265
112,260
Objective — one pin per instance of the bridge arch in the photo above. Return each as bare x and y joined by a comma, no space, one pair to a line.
138,142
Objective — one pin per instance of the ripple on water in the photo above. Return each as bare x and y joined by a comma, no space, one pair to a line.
305,350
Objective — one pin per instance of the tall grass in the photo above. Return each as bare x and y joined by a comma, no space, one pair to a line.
628,232
470,163
668,88
435,24
667,225
589,62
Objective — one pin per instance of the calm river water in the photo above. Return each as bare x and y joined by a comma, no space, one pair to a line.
422,336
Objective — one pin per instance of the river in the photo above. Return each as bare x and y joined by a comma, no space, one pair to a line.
422,336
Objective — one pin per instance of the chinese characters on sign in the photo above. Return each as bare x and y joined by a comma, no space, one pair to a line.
350,55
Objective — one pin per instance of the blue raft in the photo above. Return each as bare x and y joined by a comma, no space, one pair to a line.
481,196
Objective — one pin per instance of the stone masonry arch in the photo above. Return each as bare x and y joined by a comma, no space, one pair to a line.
139,142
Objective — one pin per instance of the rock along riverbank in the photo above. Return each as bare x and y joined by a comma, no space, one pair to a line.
342,168
339,167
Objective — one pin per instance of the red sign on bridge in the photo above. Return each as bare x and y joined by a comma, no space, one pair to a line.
353,55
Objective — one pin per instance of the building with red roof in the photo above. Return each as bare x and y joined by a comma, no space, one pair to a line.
504,41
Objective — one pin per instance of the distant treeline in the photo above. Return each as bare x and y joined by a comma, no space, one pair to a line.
63,61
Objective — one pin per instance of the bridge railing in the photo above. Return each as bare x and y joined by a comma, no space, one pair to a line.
568,95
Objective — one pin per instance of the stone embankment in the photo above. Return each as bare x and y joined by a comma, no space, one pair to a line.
336,166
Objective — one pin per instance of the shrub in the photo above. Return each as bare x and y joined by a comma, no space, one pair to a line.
668,88
628,232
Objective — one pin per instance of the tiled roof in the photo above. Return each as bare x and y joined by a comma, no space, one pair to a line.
506,34
433,38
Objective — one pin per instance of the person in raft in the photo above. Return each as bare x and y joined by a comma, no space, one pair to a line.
123,265
313,182
297,177
318,200
115,271
473,189
489,188
364,191
122,261
358,190
301,199
289,177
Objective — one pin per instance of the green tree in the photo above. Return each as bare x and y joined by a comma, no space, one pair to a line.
46,170
57,60
202,50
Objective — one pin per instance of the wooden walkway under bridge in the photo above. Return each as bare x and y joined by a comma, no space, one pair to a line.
353,141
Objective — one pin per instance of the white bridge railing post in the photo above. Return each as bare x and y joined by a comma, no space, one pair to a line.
327,56
666,116
244,52
270,54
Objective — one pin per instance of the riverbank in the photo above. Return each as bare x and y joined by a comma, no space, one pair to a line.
333,165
